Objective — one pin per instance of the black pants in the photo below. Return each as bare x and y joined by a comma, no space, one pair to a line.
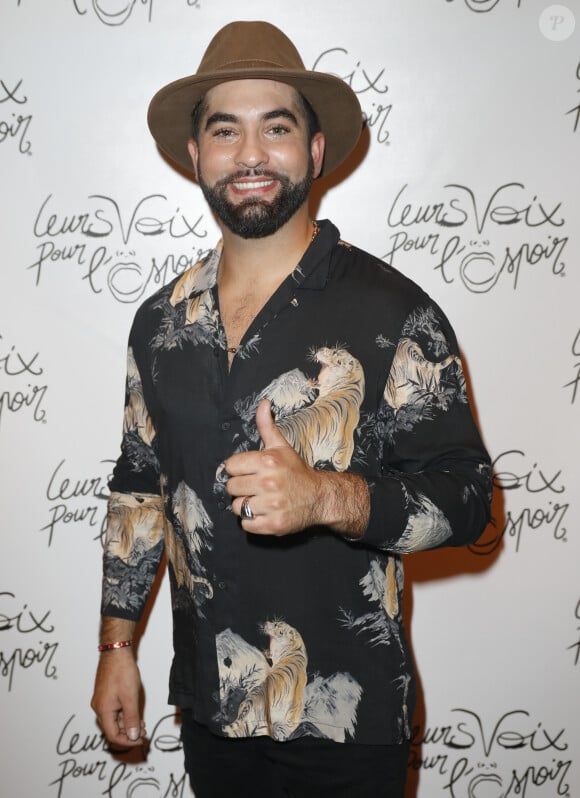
257,767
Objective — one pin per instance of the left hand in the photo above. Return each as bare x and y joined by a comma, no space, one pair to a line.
282,489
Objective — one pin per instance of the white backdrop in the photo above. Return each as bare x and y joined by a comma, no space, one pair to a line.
466,180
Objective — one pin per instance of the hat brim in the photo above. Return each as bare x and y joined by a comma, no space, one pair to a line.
335,104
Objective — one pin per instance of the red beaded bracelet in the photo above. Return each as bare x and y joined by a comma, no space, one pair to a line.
118,644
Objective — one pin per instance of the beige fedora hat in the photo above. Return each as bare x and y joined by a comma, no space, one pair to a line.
255,50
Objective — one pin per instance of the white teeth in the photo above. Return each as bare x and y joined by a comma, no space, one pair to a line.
256,184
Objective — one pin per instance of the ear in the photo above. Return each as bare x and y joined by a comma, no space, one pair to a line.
193,150
317,147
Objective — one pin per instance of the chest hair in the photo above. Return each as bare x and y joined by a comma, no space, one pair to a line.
237,314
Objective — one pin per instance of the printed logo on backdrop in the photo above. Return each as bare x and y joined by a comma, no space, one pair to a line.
575,111
369,83
117,12
21,390
557,23
575,647
14,121
513,754
24,647
118,250
536,501
77,503
574,383
85,765
484,6
480,238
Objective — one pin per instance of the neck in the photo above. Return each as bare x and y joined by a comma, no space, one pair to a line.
265,261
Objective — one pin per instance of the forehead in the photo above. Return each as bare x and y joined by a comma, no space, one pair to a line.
251,95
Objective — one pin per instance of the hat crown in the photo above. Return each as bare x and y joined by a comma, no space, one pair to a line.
250,45
255,51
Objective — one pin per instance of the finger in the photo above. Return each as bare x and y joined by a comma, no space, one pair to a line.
254,504
131,722
242,486
121,723
269,432
242,463
113,726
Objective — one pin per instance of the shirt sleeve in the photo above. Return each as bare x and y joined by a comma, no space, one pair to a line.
435,486
134,535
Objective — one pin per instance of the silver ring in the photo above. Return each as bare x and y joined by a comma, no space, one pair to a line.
246,510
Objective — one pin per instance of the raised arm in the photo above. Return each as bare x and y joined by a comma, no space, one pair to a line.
434,486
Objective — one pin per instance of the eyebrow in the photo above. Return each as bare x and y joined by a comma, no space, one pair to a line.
219,117
283,112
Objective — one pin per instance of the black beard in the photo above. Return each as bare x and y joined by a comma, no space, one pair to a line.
255,218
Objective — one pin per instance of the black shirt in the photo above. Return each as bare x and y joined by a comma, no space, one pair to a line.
297,635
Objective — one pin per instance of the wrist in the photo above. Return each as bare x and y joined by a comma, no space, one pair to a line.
115,646
115,631
343,503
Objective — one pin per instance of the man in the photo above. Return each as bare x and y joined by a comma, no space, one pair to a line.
296,419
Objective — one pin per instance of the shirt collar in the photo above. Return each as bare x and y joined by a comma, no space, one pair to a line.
313,269
310,273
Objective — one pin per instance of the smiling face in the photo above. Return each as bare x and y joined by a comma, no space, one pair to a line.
252,158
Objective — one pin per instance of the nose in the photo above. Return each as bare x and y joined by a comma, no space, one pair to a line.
251,151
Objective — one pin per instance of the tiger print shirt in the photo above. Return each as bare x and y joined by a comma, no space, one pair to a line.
299,635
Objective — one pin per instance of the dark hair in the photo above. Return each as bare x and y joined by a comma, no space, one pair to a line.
308,112
198,111
312,123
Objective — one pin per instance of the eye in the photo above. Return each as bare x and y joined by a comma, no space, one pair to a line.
223,133
278,130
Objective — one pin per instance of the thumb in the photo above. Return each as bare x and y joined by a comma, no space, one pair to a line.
131,718
269,432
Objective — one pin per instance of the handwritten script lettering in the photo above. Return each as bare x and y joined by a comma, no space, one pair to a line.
114,13
545,512
575,647
85,761
14,127
101,241
466,751
480,240
24,621
20,619
68,493
575,381
371,86
575,111
18,397
12,93
483,6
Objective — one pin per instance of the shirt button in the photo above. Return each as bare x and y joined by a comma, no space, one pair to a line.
222,585
226,425
221,505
